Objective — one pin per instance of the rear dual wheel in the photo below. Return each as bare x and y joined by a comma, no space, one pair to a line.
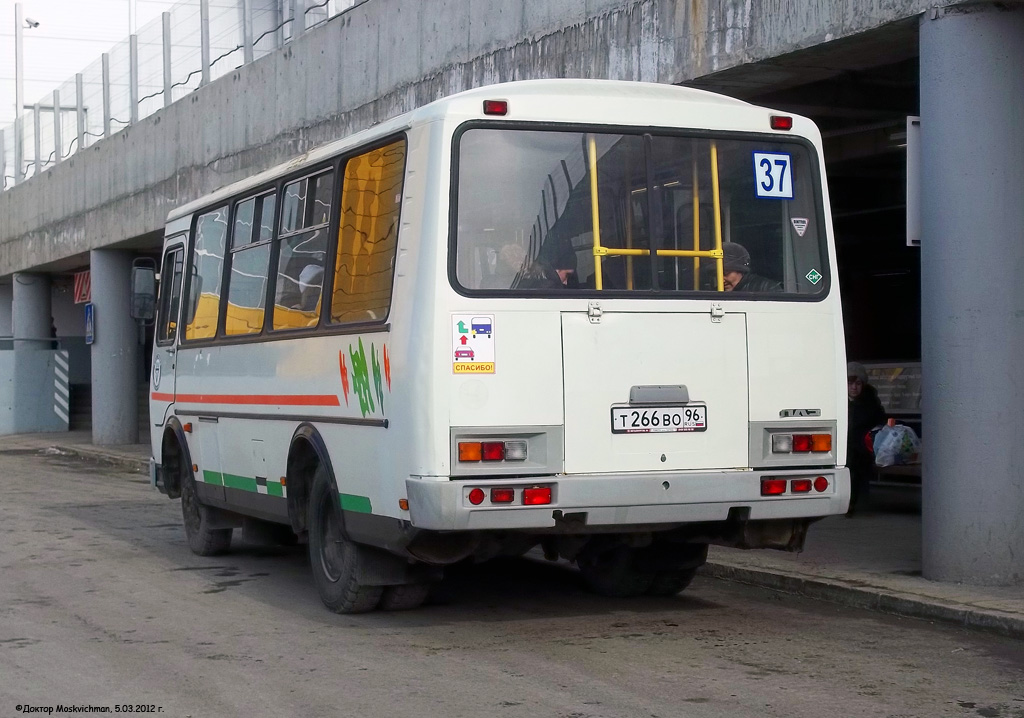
198,519
334,559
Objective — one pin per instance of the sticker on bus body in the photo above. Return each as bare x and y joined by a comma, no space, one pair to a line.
473,343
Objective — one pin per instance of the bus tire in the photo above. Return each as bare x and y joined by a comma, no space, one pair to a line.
405,597
197,517
614,573
333,558
669,583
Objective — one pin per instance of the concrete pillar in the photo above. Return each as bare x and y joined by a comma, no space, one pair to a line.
972,323
30,312
115,411
6,301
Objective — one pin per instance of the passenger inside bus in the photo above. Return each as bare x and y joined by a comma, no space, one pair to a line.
552,272
737,275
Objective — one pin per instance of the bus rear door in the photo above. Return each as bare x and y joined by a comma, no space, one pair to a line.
648,391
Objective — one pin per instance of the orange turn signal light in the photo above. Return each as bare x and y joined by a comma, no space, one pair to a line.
821,442
470,451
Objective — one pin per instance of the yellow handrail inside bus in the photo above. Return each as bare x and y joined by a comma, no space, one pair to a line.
717,202
696,224
594,211
717,254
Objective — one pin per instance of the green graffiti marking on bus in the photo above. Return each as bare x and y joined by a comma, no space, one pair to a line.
361,379
378,383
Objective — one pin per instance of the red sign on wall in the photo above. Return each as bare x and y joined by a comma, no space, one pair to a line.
83,287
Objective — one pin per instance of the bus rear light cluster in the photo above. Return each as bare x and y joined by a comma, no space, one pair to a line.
778,487
471,451
529,496
801,443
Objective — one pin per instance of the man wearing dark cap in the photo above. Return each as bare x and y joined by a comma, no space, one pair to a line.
736,274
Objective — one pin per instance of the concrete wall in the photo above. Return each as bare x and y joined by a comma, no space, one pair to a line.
380,59
22,372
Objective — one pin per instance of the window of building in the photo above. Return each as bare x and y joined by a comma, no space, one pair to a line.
371,198
207,271
306,212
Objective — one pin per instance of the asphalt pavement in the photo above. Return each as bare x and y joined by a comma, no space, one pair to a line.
871,561
103,608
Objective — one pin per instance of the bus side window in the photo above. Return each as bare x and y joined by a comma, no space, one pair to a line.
170,299
306,212
249,259
207,266
371,199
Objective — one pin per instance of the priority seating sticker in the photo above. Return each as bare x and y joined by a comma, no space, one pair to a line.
473,343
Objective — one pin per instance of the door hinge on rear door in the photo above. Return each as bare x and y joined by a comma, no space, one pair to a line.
717,312
594,312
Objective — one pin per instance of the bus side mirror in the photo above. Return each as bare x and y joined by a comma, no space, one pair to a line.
143,302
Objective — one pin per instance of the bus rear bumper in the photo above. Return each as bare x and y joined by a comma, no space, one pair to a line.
622,500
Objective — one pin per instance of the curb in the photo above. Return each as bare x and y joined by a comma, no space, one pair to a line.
873,599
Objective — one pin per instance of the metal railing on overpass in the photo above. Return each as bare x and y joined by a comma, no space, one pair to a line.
189,46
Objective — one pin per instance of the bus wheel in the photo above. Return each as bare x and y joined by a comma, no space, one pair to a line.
404,598
669,583
614,573
203,540
333,558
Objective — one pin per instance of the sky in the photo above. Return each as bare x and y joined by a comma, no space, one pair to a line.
72,34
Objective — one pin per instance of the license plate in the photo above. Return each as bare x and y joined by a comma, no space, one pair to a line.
657,419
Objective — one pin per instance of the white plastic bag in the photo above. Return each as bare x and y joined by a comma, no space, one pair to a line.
896,445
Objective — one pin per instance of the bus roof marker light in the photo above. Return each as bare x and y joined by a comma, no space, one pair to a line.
781,122
496,107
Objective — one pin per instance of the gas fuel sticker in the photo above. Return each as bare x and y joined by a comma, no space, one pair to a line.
473,343
773,175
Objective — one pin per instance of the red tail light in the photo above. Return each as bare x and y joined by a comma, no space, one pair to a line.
801,443
800,486
504,496
820,484
493,450
476,497
537,495
773,487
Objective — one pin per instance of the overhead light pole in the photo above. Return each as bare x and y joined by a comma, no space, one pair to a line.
20,23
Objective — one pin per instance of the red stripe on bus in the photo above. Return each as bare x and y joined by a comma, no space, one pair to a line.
262,399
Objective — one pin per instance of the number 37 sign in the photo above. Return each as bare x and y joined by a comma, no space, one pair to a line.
773,175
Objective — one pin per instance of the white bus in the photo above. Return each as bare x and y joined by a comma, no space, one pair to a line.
597,317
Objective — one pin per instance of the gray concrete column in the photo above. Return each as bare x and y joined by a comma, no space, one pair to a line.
972,273
115,410
31,312
6,305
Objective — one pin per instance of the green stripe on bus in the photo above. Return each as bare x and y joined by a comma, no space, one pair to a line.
358,504
240,482
275,489
213,477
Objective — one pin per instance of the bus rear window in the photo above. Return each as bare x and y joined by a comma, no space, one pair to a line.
552,211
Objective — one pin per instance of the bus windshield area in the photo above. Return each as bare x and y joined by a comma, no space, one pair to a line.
550,210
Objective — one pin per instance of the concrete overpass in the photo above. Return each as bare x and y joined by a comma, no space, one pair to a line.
856,66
